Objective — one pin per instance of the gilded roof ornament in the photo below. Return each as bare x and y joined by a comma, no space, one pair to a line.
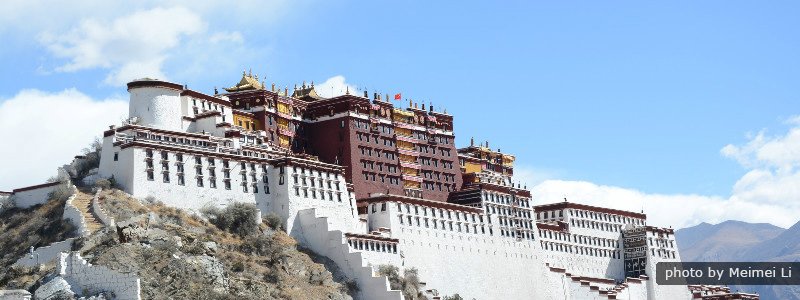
247,83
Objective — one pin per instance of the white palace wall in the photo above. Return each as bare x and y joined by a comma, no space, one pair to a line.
474,265
35,195
662,247
158,107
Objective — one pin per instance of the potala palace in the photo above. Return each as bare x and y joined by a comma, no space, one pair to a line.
364,182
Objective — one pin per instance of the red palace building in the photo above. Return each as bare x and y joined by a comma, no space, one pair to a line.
383,148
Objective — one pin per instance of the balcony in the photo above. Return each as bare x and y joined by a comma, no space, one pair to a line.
408,152
412,165
404,138
404,125
412,178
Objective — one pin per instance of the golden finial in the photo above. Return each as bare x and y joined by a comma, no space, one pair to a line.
286,91
273,86
347,90
312,83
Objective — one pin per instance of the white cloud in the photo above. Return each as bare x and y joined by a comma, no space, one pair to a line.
172,39
768,192
530,176
45,130
335,86
131,46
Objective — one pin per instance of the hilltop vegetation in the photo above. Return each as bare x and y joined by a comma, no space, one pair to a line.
21,229
176,255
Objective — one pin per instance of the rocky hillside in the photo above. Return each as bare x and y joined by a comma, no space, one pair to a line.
741,241
21,229
182,256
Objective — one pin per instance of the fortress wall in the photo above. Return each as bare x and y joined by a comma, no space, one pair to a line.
188,195
447,259
46,254
295,195
33,195
84,278
585,265
100,213
661,247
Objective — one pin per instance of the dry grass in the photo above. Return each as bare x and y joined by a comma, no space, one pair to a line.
35,227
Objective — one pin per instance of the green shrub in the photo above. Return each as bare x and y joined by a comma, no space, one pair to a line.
350,286
408,284
102,183
273,221
263,246
238,266
238,218
62,192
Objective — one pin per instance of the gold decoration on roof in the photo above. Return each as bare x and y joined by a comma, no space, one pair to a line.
248,83
307,93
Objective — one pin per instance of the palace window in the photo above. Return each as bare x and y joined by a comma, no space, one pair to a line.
180,180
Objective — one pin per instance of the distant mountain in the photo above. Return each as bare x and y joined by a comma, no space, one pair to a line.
725,241
741,241
784,247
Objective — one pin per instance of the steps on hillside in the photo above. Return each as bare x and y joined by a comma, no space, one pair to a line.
83,202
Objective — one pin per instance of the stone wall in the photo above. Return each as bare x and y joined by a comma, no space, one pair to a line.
46,254
100,213
74,215
84,277
34,195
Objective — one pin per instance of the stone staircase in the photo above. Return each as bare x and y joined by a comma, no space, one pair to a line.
316,234
83,201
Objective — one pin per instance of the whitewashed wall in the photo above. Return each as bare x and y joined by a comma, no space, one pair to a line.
74,215
83,276
46,254
26,199
156,107
100,213
313,231
667,245
447,260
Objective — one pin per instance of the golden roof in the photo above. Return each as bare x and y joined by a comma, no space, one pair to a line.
403,112
247,83
307,93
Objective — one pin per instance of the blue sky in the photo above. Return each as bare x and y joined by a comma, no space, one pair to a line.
642,96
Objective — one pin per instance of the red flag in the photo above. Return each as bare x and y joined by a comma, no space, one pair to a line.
397,97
